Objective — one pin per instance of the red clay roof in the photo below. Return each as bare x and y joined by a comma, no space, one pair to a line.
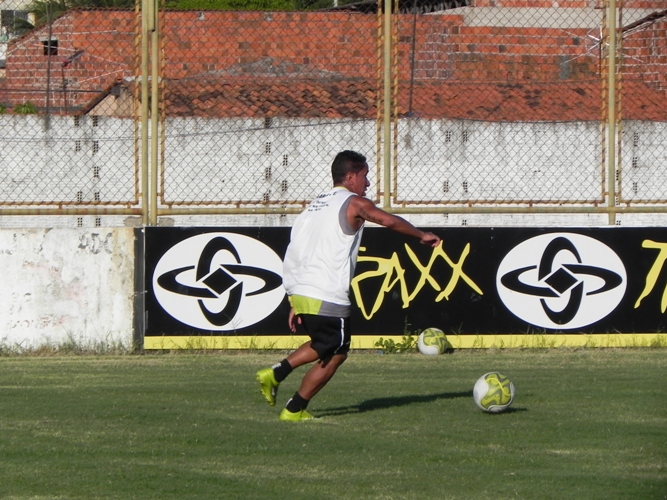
286,98
529,102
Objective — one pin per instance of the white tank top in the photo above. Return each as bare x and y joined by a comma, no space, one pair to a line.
322,254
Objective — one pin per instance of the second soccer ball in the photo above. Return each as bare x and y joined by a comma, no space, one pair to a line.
432,341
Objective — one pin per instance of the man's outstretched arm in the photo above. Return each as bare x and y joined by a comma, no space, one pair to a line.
362,209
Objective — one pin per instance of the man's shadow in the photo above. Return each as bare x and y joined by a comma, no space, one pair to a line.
384,403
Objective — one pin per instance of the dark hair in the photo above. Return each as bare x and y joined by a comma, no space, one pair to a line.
346,161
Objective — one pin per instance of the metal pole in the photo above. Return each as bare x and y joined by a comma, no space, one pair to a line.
155,101
14,212
49,48
387,105
68,211
419,210
611,119
144,111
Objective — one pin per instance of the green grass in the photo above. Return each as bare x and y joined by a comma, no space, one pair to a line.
586,424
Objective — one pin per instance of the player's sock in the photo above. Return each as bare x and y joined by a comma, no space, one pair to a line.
281,370
297,403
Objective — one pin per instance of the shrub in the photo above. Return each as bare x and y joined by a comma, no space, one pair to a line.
27,108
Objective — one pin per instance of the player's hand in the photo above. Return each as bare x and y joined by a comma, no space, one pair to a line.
293,320
430,239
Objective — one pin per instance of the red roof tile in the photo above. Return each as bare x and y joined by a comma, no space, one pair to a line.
529,102
283,98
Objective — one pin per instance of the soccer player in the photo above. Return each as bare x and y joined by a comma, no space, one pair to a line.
317,271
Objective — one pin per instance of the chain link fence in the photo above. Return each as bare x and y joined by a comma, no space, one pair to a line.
256,114
469,112
68,145
642,150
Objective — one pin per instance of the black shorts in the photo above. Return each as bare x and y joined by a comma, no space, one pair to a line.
328,335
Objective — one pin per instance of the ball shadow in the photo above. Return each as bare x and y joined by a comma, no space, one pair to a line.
509,410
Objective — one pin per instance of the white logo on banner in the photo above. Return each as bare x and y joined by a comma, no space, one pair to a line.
561,280
219,281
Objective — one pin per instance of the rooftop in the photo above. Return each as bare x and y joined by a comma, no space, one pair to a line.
314,98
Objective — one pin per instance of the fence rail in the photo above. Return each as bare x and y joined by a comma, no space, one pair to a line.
476,114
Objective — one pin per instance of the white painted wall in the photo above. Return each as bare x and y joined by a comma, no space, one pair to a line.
60,285
247,162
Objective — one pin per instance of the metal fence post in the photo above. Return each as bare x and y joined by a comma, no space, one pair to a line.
611,116
145,9
155,101
386,152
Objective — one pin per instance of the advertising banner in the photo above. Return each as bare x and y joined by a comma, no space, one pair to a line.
224,283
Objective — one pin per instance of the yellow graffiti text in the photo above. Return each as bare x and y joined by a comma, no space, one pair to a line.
393,273
654,272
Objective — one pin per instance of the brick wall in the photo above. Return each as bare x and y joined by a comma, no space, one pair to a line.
95,48
542,4
463,53
565,4
242,43
645,54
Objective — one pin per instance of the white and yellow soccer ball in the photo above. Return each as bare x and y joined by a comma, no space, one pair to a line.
432,342
493,392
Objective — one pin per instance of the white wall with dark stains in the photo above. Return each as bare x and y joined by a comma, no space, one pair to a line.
63,285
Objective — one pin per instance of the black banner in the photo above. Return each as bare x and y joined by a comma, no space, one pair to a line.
227,281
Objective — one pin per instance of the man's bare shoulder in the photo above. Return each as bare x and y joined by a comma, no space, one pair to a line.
363,209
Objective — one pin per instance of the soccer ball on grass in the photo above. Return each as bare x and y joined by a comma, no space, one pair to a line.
493,392
432,341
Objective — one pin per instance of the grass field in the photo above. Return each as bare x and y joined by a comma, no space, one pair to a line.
586,424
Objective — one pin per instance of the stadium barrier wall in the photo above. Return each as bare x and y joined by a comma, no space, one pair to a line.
221,288
67,287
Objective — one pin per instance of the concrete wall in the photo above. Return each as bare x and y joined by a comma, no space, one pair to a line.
240,163
62,285
73,160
